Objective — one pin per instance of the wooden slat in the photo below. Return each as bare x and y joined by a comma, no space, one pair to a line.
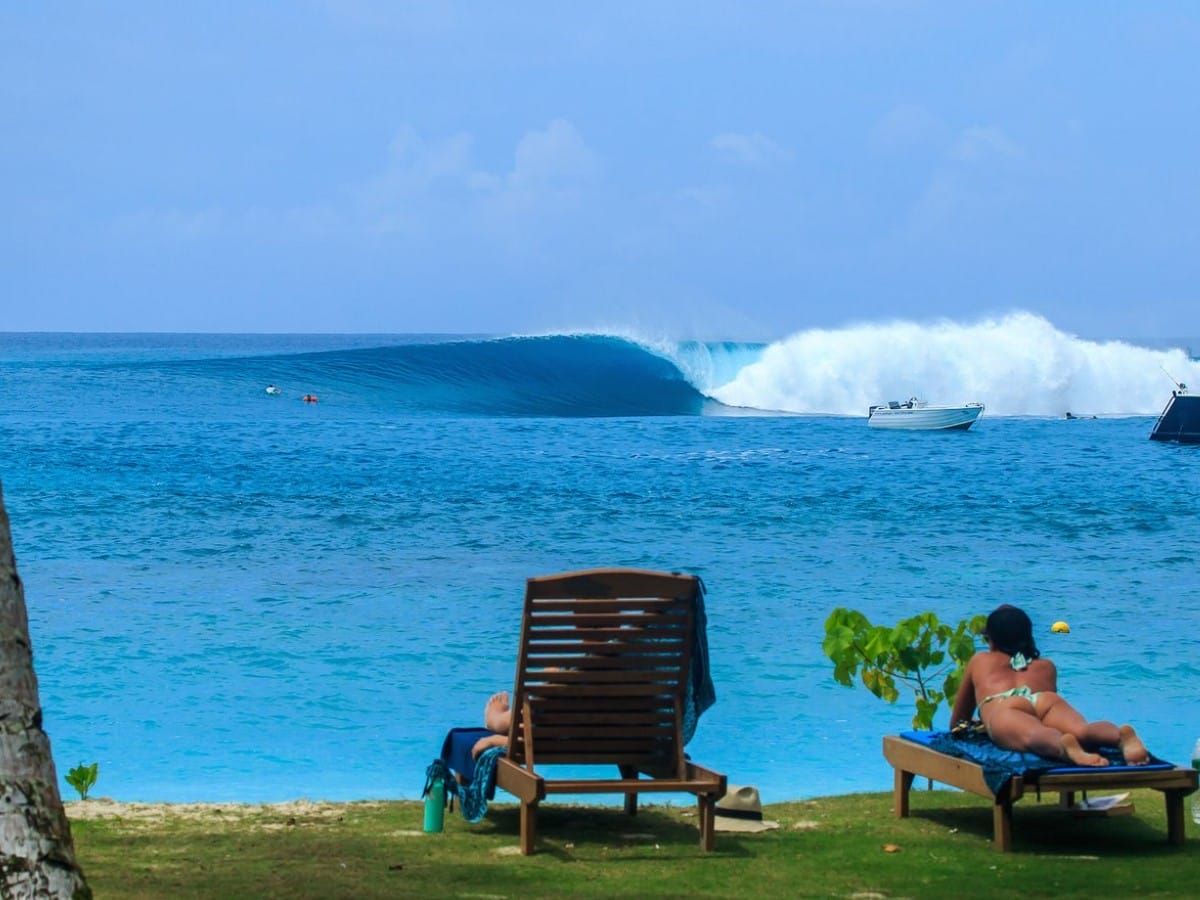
658,605
598,627
608,583
644,757
618,786
634,662
618,757
547,731
589,694
597,640
542,646
611,704
667,678
601,718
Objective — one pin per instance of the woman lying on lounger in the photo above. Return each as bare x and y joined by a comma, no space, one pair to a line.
1016,693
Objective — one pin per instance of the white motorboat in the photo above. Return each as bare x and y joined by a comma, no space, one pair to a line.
917,415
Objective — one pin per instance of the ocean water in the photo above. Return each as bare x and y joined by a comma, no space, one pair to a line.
237,596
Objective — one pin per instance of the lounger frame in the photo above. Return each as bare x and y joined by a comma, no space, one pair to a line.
601,679
910,759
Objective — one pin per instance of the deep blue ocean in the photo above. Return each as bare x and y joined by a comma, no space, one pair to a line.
240,596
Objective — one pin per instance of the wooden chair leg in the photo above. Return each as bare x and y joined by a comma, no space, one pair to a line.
1002,826
902,783
707,814
631,798
528,826
1175,827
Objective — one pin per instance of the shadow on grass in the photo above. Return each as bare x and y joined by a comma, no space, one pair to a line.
1047,829
568,832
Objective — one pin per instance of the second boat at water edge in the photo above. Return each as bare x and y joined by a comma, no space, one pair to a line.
917,415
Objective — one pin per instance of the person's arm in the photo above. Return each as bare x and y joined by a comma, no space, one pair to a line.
964,701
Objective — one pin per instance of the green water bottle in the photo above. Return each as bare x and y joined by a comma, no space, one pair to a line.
435,797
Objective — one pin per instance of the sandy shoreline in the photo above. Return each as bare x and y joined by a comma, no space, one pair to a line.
106,808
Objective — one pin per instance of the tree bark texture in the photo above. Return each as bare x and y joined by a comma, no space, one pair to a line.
37,856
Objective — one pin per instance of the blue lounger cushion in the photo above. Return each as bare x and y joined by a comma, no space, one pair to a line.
999,765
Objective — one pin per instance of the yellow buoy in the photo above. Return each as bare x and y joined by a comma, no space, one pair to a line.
1060,628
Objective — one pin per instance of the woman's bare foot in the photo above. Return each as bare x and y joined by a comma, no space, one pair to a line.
492,740
496,714
1132,748
1076,754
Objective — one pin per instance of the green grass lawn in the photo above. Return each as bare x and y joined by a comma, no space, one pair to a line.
848,846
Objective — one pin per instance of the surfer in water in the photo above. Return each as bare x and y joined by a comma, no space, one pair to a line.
272,390
310,398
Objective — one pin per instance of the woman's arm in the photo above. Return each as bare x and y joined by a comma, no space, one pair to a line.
964,701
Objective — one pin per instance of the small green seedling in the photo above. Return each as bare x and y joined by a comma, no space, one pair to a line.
82,778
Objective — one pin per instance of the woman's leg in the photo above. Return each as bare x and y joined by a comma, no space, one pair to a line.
1055,712
1058,713
1132,748
1012,724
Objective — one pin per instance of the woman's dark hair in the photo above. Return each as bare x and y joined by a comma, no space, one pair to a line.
1011,632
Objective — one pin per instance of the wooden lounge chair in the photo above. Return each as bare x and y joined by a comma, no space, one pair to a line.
602,679
909,759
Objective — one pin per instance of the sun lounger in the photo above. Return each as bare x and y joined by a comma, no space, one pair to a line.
612,670
914,753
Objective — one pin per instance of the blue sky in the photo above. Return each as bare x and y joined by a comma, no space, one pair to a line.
712,170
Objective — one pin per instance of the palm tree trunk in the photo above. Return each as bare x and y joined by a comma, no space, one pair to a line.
37,856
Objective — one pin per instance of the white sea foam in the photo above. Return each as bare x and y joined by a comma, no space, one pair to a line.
1018,365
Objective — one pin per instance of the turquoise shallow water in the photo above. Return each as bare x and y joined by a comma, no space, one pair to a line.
239,597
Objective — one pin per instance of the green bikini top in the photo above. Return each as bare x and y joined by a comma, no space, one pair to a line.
1019,662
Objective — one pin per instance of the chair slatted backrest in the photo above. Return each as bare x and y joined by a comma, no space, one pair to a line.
602,670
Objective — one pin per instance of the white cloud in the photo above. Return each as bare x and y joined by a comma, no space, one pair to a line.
909,125
415,166
553,170
749,149
426,190
982,142
549,163
556,155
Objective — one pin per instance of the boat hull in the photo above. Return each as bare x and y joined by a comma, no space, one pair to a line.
926,418
1180,421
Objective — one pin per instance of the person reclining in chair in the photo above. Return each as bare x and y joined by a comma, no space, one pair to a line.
1016,691
497,717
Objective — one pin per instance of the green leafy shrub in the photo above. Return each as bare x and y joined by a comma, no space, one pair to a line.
921,652
82,778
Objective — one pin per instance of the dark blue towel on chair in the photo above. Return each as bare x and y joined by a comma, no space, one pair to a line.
999,764
456,750
478,776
